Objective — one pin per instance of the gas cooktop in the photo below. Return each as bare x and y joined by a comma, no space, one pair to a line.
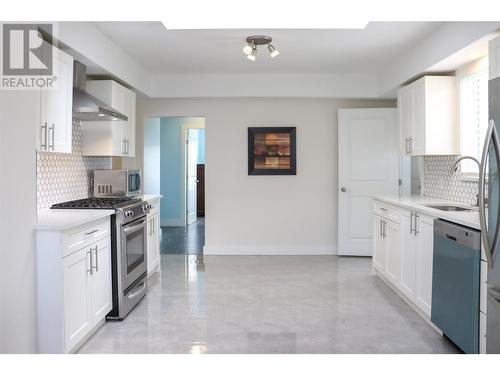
98,203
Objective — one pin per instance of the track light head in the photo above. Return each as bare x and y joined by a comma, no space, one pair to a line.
272,50
253,55
247,50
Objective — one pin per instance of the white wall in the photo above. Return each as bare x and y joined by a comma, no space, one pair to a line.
264,85
152,156
18,206
264,214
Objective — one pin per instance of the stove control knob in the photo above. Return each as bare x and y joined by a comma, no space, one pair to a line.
129,213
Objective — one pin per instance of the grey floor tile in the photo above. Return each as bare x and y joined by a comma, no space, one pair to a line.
268,304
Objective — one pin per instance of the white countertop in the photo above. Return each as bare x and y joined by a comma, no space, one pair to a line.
48,219
417,203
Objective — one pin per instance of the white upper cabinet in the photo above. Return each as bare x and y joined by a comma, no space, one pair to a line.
56,109
494,57
428,117
111,138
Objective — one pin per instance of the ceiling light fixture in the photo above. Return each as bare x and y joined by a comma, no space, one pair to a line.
259,40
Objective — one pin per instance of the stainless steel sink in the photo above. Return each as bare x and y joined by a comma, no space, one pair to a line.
445,207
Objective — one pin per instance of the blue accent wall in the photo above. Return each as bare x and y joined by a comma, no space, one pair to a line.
170,181
170,165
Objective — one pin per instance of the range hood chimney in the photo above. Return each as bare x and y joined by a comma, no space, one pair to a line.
87,107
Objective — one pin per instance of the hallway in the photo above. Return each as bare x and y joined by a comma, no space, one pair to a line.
184,240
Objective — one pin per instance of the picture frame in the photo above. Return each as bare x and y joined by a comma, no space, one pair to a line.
272,151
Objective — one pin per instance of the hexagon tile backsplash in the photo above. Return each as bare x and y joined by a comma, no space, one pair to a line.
440,183
63,177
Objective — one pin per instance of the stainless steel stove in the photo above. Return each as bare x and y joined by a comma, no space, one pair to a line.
128,248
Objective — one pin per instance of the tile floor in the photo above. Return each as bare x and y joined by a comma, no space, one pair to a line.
252,304
184,240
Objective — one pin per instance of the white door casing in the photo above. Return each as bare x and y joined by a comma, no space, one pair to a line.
191,160
368,165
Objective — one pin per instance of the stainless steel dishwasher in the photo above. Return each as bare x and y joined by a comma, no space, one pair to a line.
455,283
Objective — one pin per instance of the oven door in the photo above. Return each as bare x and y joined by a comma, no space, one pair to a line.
133,251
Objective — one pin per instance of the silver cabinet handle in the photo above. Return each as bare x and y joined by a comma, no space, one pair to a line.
96,259
416,229
407,147
124,143
380,229
91,232
491,136
91,262
43,134
410,142
53,129
411,221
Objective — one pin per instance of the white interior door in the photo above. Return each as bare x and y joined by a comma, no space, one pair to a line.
191,160
368,166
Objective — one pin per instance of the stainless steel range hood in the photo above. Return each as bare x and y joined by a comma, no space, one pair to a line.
87,107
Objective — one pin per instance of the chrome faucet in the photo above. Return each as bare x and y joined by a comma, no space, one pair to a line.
454,168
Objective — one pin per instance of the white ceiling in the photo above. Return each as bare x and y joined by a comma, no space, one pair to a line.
367,51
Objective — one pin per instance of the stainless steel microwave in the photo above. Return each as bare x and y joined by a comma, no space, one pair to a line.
117,183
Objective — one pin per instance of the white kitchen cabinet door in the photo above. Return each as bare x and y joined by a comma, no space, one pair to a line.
392,232
494,58
408,253
153,241
405,119
424,258
428,117
379,245
77,298
128,131
418,110
56,109
111,138
102,299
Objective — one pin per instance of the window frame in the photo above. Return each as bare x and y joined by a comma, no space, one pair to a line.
468,176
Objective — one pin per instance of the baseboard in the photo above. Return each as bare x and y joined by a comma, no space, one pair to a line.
172,223
269,250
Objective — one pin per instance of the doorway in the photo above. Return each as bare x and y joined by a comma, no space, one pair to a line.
174,166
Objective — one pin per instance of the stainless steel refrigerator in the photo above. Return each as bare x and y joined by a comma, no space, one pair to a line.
489,194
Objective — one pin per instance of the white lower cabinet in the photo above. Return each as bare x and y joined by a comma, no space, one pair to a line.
424,258
74,290
379,244
403,252
409,245
153,239
387,247
393,236
77,295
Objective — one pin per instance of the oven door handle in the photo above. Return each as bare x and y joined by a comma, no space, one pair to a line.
137,291
134,228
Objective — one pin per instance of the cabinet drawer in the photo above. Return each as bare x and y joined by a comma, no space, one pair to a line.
483,290
85,235
387,211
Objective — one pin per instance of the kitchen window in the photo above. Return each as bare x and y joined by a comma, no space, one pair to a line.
473,119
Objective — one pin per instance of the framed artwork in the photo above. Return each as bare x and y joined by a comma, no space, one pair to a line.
271,151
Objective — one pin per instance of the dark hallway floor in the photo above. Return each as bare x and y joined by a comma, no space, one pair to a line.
184,240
